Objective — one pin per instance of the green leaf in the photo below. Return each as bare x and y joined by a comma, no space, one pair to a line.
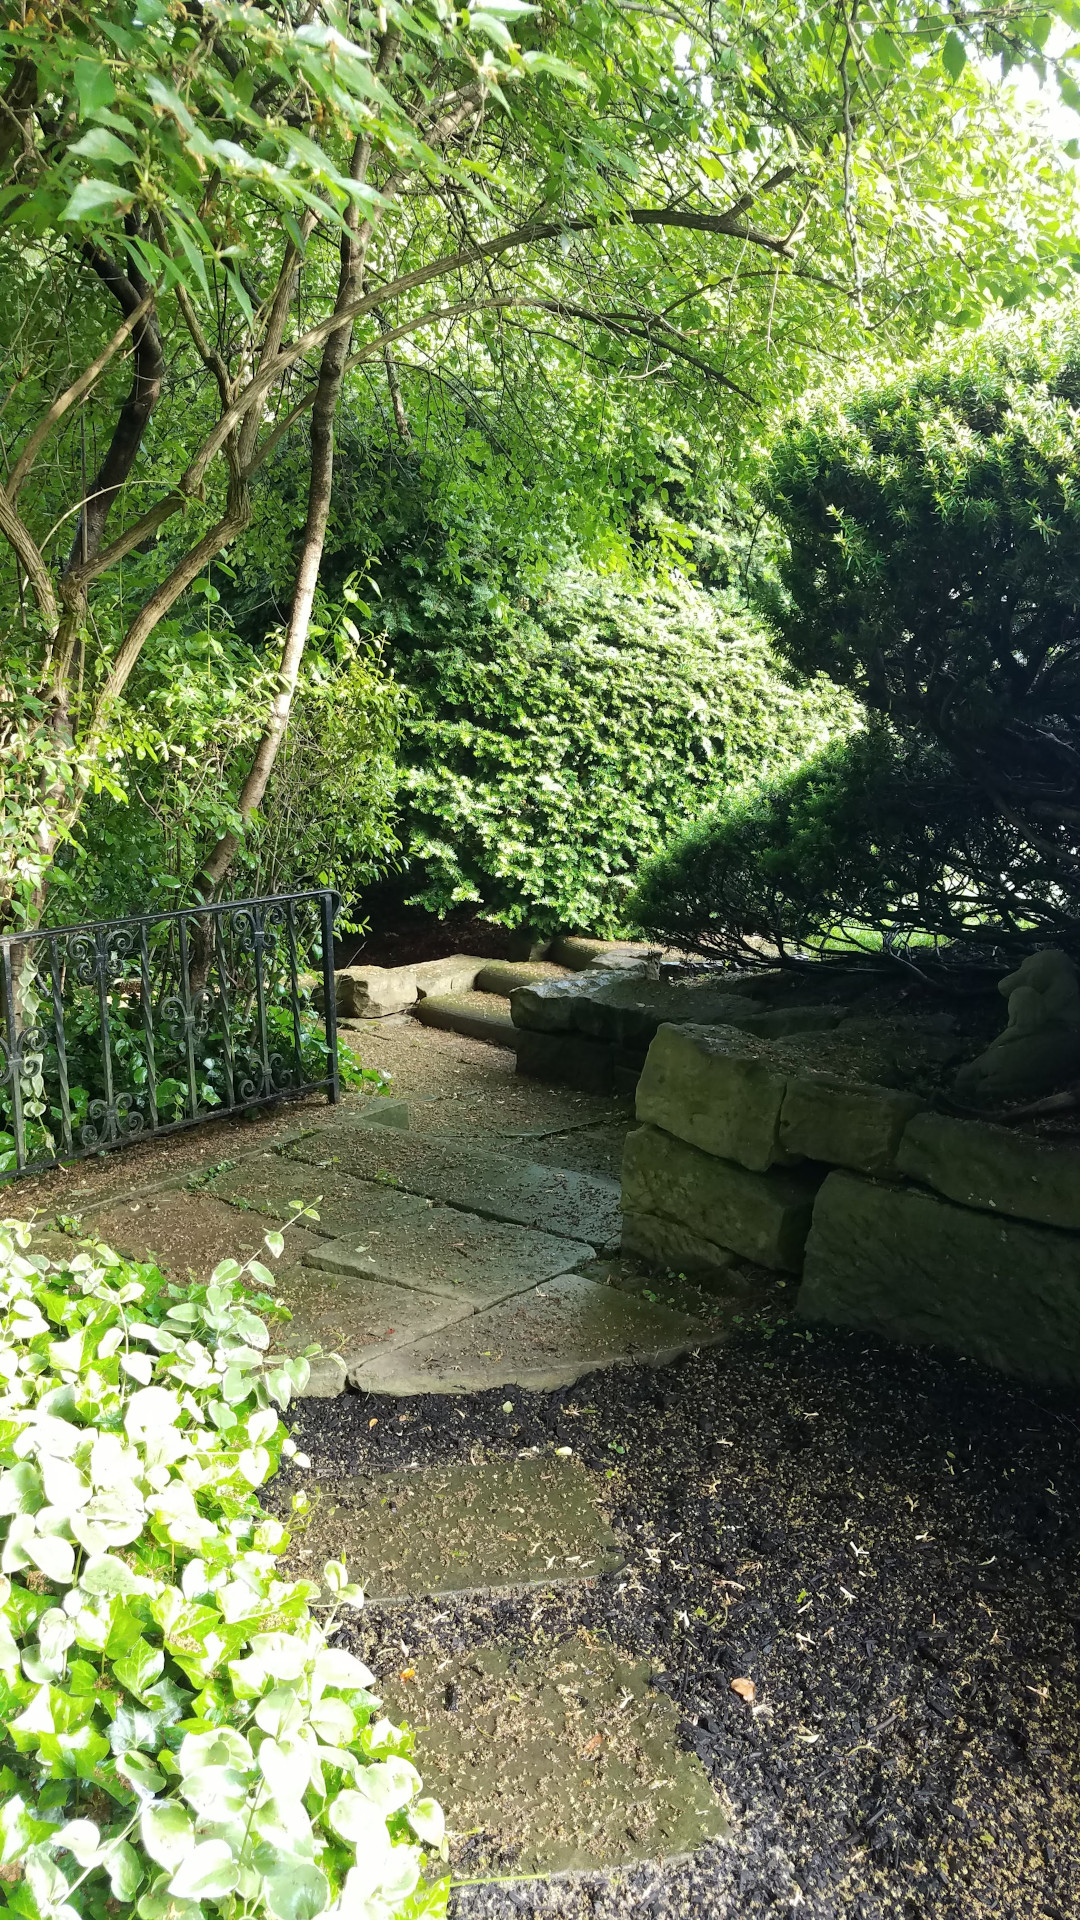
96,200
140,1668
299,1893
954,55
101,145
167,1832
125,1871
208,1872
93,84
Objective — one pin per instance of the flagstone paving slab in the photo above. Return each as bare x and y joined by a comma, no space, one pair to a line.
355,1317
451,1253
461,1529
579,1206
345,1206
187,1232
562,1760
542,1339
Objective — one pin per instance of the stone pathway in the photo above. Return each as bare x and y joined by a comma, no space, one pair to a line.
479,1250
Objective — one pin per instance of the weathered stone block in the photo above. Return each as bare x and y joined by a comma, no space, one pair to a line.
455,974
566,1057
717,1089
761,1216
631,1011
553,1006
368,992
577,953
994,1168
502,976
377,1110
845,1124
915,1268
667,1243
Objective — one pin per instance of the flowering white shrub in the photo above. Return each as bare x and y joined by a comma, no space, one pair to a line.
179,1734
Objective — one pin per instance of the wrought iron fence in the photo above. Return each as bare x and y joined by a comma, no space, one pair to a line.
120,1029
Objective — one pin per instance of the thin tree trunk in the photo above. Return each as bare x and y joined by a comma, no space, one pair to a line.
354,244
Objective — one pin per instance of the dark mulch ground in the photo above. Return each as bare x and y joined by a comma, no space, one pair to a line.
885,1543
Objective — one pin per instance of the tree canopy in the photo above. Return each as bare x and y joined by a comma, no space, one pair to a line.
599,225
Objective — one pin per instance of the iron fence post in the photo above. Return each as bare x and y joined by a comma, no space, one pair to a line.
330,904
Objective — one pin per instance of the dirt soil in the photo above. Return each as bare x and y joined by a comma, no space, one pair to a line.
883,1543
409,938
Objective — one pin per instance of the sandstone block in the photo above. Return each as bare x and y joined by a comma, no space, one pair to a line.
502,976
566,1057
482,1016
667,1243
576,952
368,992
456,974
553,1006
631,1011
907,1265
993,1168
845,1123
763,1217
718,1090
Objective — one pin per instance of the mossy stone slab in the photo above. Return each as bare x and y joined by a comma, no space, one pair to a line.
480,1016
994,1168
562,1760
461,1529
903,1263
666,1243
450,1253
577,1206
844,1123
543,1339
345,1206
764,1217
354,1317
718,1090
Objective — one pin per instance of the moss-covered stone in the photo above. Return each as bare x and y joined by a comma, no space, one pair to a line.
902,1263
664,1242
567,1058
718,1090
764,1217
844,1123
994,1168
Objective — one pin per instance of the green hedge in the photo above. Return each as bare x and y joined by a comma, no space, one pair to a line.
557,748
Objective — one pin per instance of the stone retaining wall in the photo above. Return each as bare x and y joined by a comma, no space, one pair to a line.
902,1221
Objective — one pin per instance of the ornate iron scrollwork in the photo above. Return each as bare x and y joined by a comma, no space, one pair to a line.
120,1029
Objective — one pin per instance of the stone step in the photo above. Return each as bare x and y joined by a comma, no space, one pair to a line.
496,1527
562,1759
543,1339
480,1016
575,1206
445,1252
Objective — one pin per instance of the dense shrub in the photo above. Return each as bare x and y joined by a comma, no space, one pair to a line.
932,570
861,845
178,1733
557,746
